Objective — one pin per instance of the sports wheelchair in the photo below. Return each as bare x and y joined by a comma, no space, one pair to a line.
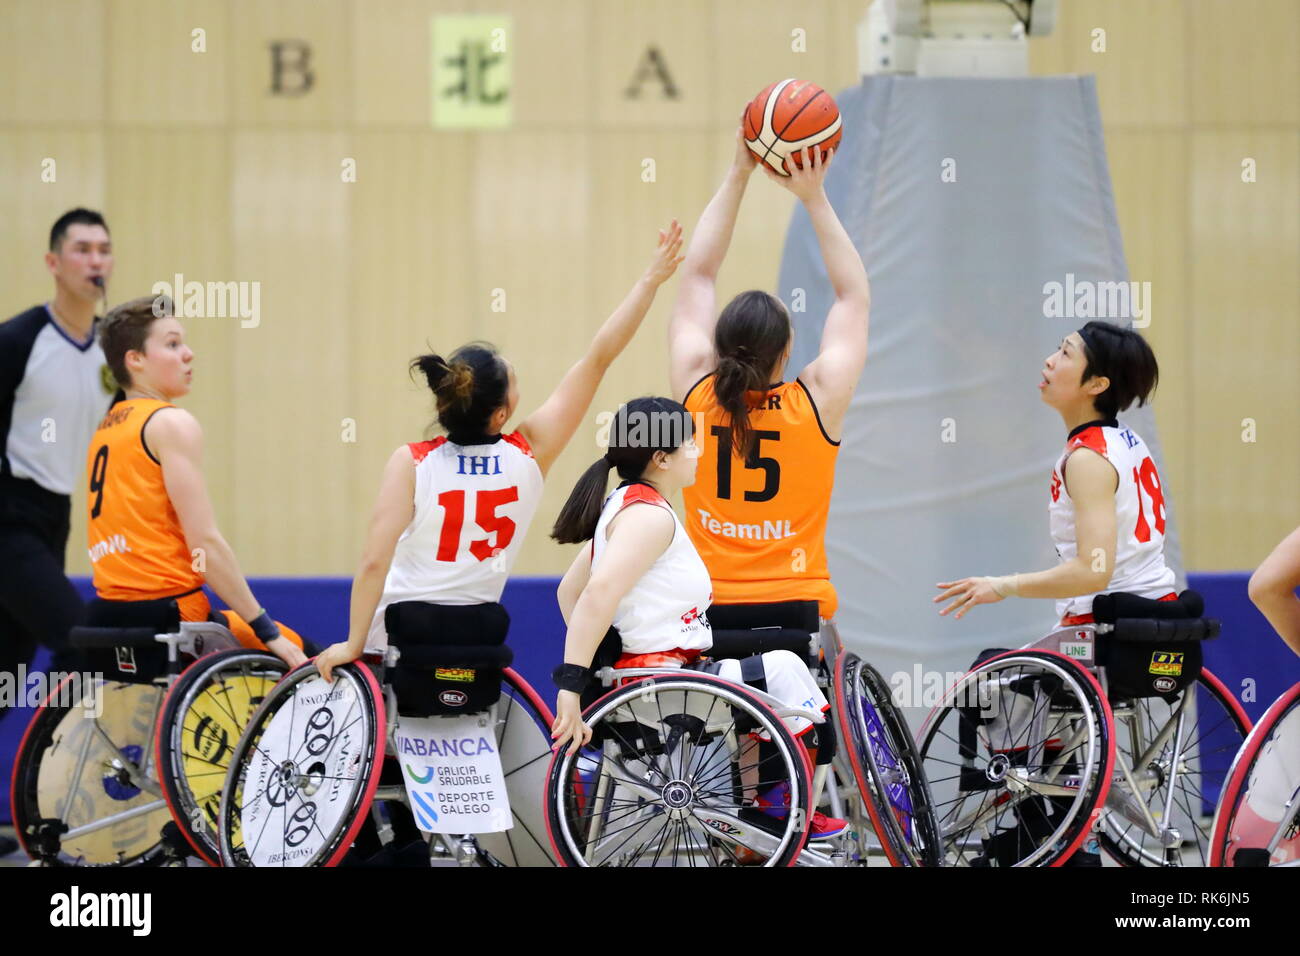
125,768
309,783
678,757
1112,728
1257,822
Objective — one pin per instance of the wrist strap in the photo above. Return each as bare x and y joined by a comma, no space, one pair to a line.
571,677
264,629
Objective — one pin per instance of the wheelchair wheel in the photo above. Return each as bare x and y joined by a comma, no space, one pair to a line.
85,790
524,743
1209,743
304,773
1264,775
202,718
671,777
886,765
1018,755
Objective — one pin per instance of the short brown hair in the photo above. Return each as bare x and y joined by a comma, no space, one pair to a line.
126,327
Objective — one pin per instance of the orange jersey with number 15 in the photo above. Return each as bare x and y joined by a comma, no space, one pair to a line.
760,525
137,547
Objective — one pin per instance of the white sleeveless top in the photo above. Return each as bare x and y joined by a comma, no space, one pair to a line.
1139,515
473,506
666,609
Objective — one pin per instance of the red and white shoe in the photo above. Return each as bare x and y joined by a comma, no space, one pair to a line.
776,803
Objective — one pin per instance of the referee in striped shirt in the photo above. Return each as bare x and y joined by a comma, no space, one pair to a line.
52,396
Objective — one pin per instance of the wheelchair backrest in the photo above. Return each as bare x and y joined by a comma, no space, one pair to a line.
449,658
135,656
1148,648
741,630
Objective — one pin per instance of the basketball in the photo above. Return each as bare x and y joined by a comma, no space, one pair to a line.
788,116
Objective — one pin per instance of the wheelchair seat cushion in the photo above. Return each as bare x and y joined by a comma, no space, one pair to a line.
736,644
450,656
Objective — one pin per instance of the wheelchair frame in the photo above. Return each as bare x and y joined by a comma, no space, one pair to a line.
1124,793
42,839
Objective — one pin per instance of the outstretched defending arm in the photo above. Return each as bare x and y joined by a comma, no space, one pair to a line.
549,429
690,332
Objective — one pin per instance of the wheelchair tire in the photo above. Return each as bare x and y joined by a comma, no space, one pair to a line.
202,718
995,807
281,760
692,792
886,765
1230,845
1221,729
67,775
524,742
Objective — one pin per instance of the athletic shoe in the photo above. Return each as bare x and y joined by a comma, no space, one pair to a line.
776,803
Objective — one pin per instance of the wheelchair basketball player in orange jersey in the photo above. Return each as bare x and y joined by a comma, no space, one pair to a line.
757,514
149,512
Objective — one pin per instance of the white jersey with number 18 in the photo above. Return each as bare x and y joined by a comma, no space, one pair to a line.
473,506
1139,514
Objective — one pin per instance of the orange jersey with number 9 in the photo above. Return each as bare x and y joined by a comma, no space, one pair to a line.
137,546
760,525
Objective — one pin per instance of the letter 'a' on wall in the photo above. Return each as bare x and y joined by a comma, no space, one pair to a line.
469,69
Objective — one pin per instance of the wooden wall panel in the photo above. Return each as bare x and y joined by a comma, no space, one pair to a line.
54,54
321,24
1245,290
29,206
411,270
1244,64
1142,75
531,200
1149,177
390,53
155,76
200,170
757,50
682,33
291,233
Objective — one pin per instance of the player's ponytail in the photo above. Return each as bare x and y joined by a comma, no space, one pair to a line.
467,388
750,338
639,428
578,517
1124,357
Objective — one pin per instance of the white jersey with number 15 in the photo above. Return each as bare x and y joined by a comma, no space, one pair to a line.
473,506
